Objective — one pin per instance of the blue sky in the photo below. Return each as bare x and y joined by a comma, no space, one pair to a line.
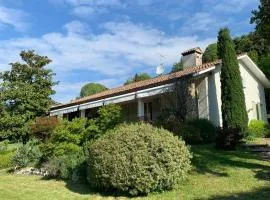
107,41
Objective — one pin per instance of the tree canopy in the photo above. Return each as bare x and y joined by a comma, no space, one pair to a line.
261,18
210,53
92,88
26,92
234,114
178,66
138,77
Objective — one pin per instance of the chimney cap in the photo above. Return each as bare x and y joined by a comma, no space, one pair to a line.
193,50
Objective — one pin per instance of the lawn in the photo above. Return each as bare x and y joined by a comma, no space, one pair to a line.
216,175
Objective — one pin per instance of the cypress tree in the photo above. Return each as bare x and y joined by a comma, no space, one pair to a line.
234,114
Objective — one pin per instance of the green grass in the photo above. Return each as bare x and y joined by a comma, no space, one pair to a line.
216,175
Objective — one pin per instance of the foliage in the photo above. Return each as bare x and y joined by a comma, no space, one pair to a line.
258,128
92,88
178,66
5,159
108,117
207,130
210,53
43,127
179,102
137,78
67,166
227,139
189,133
261,18
137,159
27,154
234,114
25,94
4,146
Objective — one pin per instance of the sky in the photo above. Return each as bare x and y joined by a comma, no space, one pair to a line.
108,41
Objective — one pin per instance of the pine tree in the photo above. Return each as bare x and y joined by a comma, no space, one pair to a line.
234,114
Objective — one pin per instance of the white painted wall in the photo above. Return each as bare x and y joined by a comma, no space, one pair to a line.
253,90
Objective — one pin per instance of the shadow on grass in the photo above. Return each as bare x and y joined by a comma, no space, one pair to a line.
207,159
259,194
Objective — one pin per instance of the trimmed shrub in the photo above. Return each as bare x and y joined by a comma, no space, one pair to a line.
258,128
189,133
137,159
3,146
28,154
43,127
109,117
207,130
227,139
67,166
5,159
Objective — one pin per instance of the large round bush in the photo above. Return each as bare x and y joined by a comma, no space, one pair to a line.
137,159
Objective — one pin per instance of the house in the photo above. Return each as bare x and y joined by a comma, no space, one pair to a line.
143,100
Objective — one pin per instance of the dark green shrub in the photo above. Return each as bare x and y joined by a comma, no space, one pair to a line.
227,139
137,159
257,128
109,117
28,154
189,133
43,127
67,166
206,129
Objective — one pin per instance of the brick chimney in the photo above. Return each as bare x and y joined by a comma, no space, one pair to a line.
192,57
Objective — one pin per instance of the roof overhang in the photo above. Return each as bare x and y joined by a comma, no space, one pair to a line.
116,99
255,70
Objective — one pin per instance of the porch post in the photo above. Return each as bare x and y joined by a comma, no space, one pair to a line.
82,113
140,110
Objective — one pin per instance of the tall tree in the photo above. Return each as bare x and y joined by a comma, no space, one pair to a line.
178,66
92,88
138,77
261,18
234,114
25,94
210,53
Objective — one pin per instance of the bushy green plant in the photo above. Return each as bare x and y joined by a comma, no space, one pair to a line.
109,117
137,159
206,129
67,166
4,146
27,154
5,159
258,128
189,133
43,127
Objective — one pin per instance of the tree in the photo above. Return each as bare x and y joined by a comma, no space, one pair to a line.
261,18
178,66
138,77
234,114
210,53
25,94
92,88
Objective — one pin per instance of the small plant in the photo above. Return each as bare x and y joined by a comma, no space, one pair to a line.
137,159
67,166
206,129
28,154
257,129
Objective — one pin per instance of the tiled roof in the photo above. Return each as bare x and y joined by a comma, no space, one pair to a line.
139,85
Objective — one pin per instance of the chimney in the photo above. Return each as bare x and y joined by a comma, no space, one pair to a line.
192,57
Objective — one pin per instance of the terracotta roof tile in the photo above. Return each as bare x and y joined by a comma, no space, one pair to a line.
139,85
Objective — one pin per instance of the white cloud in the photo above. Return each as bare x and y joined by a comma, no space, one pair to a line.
13,17
114,53
76,27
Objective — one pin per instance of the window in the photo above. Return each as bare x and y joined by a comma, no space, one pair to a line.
148,111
